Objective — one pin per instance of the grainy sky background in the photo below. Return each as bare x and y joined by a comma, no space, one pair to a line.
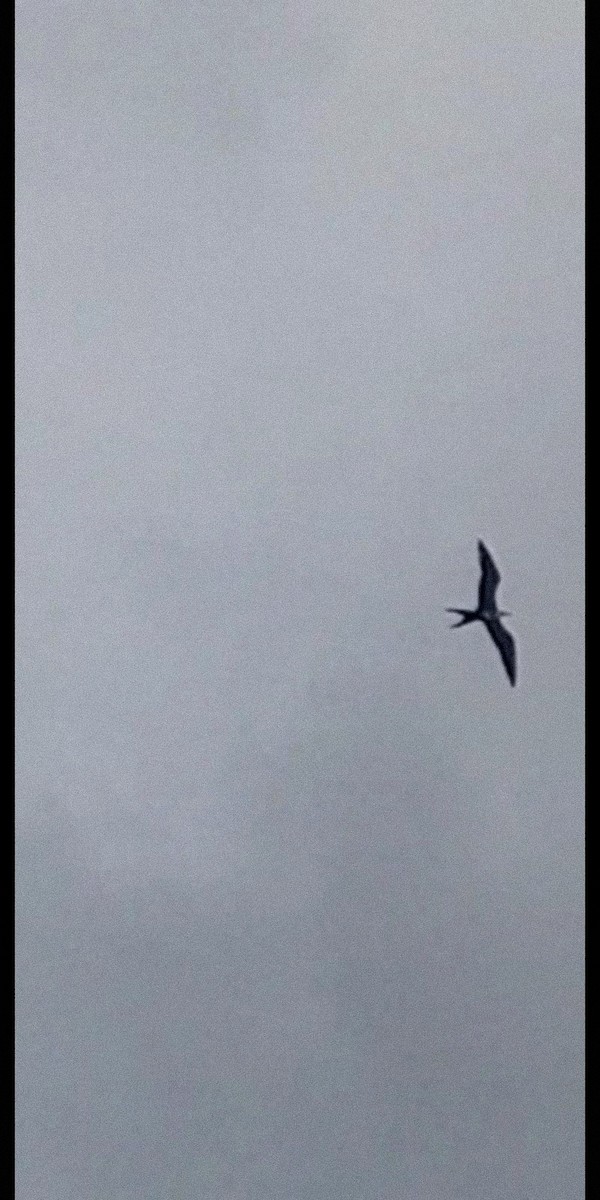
299,874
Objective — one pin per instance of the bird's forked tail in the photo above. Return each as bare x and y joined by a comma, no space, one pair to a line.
464,614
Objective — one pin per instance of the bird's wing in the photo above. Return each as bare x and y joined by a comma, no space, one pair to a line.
490,578
505,643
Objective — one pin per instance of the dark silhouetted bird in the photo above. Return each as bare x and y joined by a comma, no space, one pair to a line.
488,612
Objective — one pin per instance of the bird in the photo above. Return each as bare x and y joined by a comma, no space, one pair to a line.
487,611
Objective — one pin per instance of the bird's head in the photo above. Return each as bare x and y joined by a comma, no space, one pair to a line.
502,613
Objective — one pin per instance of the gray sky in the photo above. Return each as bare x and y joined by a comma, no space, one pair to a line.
299,874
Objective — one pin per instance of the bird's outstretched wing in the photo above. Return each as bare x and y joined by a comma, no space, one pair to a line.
505,643
490,578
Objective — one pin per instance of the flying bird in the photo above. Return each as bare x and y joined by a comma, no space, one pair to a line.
487,611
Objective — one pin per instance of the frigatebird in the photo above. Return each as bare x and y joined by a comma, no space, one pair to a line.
487,611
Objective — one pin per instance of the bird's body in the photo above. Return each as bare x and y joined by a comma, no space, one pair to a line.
489,614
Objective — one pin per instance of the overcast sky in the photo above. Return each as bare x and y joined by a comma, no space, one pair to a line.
299,874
